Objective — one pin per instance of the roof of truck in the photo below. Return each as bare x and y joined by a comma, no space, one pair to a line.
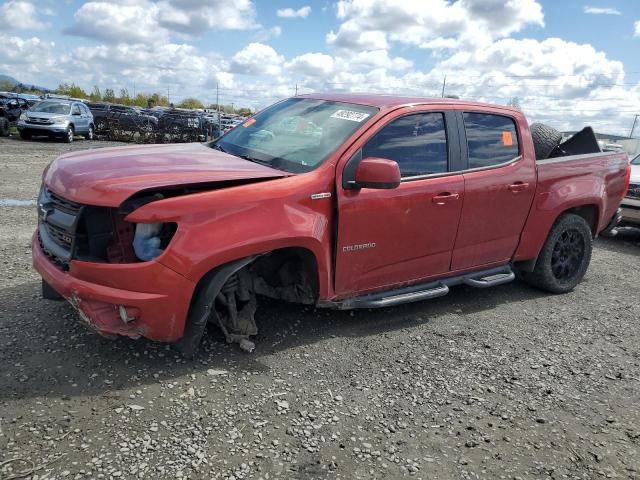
390,101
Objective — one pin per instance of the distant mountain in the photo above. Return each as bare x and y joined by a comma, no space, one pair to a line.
26,86
7,78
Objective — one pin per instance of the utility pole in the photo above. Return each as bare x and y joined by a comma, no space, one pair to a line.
134,89
635,120
296,89
169,95
444,84
218,107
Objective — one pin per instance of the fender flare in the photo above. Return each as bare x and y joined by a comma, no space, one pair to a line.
202,303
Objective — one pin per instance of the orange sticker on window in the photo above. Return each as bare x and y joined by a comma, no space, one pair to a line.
249,122
507,139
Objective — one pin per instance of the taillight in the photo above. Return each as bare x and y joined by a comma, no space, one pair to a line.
627,179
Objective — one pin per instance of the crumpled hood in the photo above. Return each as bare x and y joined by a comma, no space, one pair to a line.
108,176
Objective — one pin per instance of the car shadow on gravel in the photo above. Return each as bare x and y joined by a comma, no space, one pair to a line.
45,350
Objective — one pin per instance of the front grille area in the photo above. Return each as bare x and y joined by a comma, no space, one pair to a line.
59,235
63,204
634,190
39,121
58,220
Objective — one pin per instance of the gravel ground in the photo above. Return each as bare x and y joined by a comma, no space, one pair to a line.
507,383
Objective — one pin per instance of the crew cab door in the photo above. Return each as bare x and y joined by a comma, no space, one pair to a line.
500,182
394,236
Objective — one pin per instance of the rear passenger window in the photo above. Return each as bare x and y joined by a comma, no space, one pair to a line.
418,142
491,139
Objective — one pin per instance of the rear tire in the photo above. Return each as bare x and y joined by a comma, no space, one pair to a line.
89,135
4,127
49,293
565,256
545,139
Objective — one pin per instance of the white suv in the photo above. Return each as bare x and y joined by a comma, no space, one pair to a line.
631,202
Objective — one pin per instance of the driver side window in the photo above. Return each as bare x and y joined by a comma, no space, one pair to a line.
417,142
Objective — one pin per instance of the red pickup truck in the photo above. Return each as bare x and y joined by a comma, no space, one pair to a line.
341,201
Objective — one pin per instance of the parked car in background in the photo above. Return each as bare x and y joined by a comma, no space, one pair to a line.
121,117
57,118
631,202
374,201
10,110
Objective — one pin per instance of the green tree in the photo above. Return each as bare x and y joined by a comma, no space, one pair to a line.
191,103
141,100
72,90
109,95
157,100
245,112
124,99
96,95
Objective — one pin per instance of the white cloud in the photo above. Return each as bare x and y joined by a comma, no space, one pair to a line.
431,23
601,11
312,64
292,13
194,17
140,21
113,22
20,15
257,59
266,34
637,27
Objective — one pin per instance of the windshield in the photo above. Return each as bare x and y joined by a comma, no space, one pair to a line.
295,135
636,161
52,107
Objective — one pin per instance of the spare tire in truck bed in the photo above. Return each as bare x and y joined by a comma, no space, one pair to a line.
545,139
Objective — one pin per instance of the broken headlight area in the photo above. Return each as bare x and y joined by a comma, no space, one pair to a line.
105,236
71,231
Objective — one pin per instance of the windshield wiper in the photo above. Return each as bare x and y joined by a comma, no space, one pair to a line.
244,157
254,160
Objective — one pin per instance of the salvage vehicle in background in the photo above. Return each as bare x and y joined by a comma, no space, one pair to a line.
57,118
362,201
631,202
11,107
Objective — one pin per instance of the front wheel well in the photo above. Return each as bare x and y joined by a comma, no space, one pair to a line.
226,294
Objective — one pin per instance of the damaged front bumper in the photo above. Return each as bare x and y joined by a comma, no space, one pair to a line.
134,300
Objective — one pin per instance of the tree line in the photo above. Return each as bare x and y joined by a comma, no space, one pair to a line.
143,100
140,99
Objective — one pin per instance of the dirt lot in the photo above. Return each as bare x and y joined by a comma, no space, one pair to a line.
506,383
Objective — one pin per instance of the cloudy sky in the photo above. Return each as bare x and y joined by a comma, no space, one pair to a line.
569,62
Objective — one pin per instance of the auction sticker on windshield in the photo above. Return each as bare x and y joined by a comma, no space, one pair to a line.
350,115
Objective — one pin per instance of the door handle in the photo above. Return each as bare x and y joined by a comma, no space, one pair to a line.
443,198
518,187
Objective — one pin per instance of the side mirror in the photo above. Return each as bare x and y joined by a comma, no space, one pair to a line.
377,173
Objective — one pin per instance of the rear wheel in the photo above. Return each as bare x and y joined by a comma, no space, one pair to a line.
565,256
89,135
